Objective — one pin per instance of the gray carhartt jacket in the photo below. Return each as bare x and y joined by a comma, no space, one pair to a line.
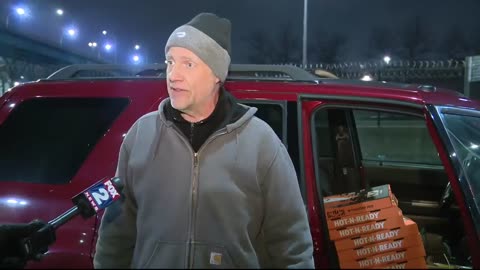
234,204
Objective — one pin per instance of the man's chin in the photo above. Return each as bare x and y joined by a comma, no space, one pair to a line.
178,105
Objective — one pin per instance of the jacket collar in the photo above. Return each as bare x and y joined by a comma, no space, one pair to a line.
227,105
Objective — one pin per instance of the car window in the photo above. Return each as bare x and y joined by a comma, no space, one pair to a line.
272,114
46,140
357,148
464,133
322,134
361,148
283,120
394,137
332,157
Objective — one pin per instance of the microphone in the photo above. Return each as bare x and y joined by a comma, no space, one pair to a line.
90,201
87,203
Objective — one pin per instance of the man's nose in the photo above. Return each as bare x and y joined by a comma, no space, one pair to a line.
174,74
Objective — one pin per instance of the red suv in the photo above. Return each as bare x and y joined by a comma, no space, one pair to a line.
61,134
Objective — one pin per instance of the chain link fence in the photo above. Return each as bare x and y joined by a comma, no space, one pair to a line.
395,70
446,73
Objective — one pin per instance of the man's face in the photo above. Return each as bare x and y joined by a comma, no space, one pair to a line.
191,83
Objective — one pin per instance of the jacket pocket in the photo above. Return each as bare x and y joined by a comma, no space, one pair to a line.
166,255
212,256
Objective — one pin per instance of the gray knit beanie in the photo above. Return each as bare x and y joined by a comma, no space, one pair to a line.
208,36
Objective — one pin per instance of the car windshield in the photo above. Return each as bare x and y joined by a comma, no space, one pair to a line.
464,133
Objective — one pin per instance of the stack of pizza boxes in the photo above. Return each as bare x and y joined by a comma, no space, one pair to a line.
370,231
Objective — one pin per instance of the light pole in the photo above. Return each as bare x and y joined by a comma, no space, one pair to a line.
105,33
93,45
137,48
109,47
71,32
19,11
386,60
59,14
305,13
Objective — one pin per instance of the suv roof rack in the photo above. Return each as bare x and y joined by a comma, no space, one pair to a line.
236,72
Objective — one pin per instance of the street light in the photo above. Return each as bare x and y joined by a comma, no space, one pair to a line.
60,12
387,59
136,59
71,32
109,47
18,11
137,47
93,45
367,78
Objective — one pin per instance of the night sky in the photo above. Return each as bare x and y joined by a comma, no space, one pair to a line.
149,22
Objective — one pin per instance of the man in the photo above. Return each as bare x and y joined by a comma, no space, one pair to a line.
207,184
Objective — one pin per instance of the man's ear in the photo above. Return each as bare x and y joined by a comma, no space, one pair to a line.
217,80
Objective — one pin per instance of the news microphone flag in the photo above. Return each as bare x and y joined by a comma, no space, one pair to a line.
102,195
98,196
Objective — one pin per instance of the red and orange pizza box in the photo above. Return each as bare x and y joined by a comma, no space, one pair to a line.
407,241
408,227
417,263
385,259
364,217
365,200
349,232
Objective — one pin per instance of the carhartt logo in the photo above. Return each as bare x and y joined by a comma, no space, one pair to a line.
215,258
181,34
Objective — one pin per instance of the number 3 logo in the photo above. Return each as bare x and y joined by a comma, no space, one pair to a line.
101,196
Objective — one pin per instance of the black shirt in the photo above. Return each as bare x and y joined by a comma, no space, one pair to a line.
226,111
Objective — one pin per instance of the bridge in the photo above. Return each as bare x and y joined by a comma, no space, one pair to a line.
25,59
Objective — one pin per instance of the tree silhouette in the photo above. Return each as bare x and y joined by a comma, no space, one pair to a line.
455,44
260,44
416,39
287,49
474,43
326,47
280,47
382,42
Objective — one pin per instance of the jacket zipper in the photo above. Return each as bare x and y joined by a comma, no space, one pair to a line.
193,212
194,194
192,125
